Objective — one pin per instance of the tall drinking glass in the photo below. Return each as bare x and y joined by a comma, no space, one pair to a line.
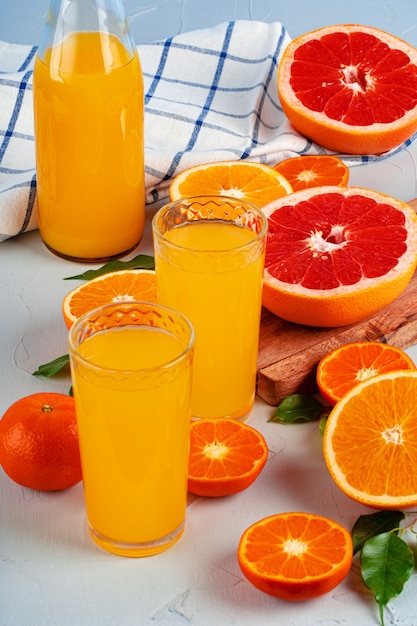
131,366
209,257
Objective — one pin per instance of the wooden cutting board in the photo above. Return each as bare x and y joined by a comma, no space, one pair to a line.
289,353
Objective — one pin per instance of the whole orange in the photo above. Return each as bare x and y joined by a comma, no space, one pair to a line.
39,442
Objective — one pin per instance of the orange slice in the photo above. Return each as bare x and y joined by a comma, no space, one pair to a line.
295,556
350,88
336,255
370,441
253,182
226,456
123,285
348,365
312,171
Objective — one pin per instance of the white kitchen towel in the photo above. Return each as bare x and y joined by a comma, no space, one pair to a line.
210,95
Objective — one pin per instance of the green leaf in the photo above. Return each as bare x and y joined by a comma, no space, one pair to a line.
386,564
323,421
53,367
297,407
140,262
367,526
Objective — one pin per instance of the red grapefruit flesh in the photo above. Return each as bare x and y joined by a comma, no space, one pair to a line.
336,255
350,88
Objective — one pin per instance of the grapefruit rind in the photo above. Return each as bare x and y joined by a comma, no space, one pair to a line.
372,465
337,135
346,304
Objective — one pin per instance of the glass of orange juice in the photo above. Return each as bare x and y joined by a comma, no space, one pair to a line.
209,257
131,366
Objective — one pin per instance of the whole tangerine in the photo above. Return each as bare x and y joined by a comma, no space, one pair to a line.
39,442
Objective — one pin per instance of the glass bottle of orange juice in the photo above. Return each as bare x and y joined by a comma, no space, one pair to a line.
89,140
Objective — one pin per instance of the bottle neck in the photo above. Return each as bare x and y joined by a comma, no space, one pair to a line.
68,16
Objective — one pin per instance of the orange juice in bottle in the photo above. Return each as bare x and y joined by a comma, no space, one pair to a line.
88,114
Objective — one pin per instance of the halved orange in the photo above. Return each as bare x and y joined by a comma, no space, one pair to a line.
370,441
119,286
336,255
313,171
253,182
226,456
350,88
295,556
346,366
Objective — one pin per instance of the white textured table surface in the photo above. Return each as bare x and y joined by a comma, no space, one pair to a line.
50,571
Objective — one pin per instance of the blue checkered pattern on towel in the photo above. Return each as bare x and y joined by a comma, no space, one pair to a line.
211,95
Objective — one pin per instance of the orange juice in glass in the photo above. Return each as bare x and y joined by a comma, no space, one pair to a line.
209,256
88,114
131,366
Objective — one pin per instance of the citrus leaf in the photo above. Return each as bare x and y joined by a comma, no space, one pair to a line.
297,407
367,526
386,565
323,422
140,262
53,367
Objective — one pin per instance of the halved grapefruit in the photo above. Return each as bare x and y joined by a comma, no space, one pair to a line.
350,88
335,255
